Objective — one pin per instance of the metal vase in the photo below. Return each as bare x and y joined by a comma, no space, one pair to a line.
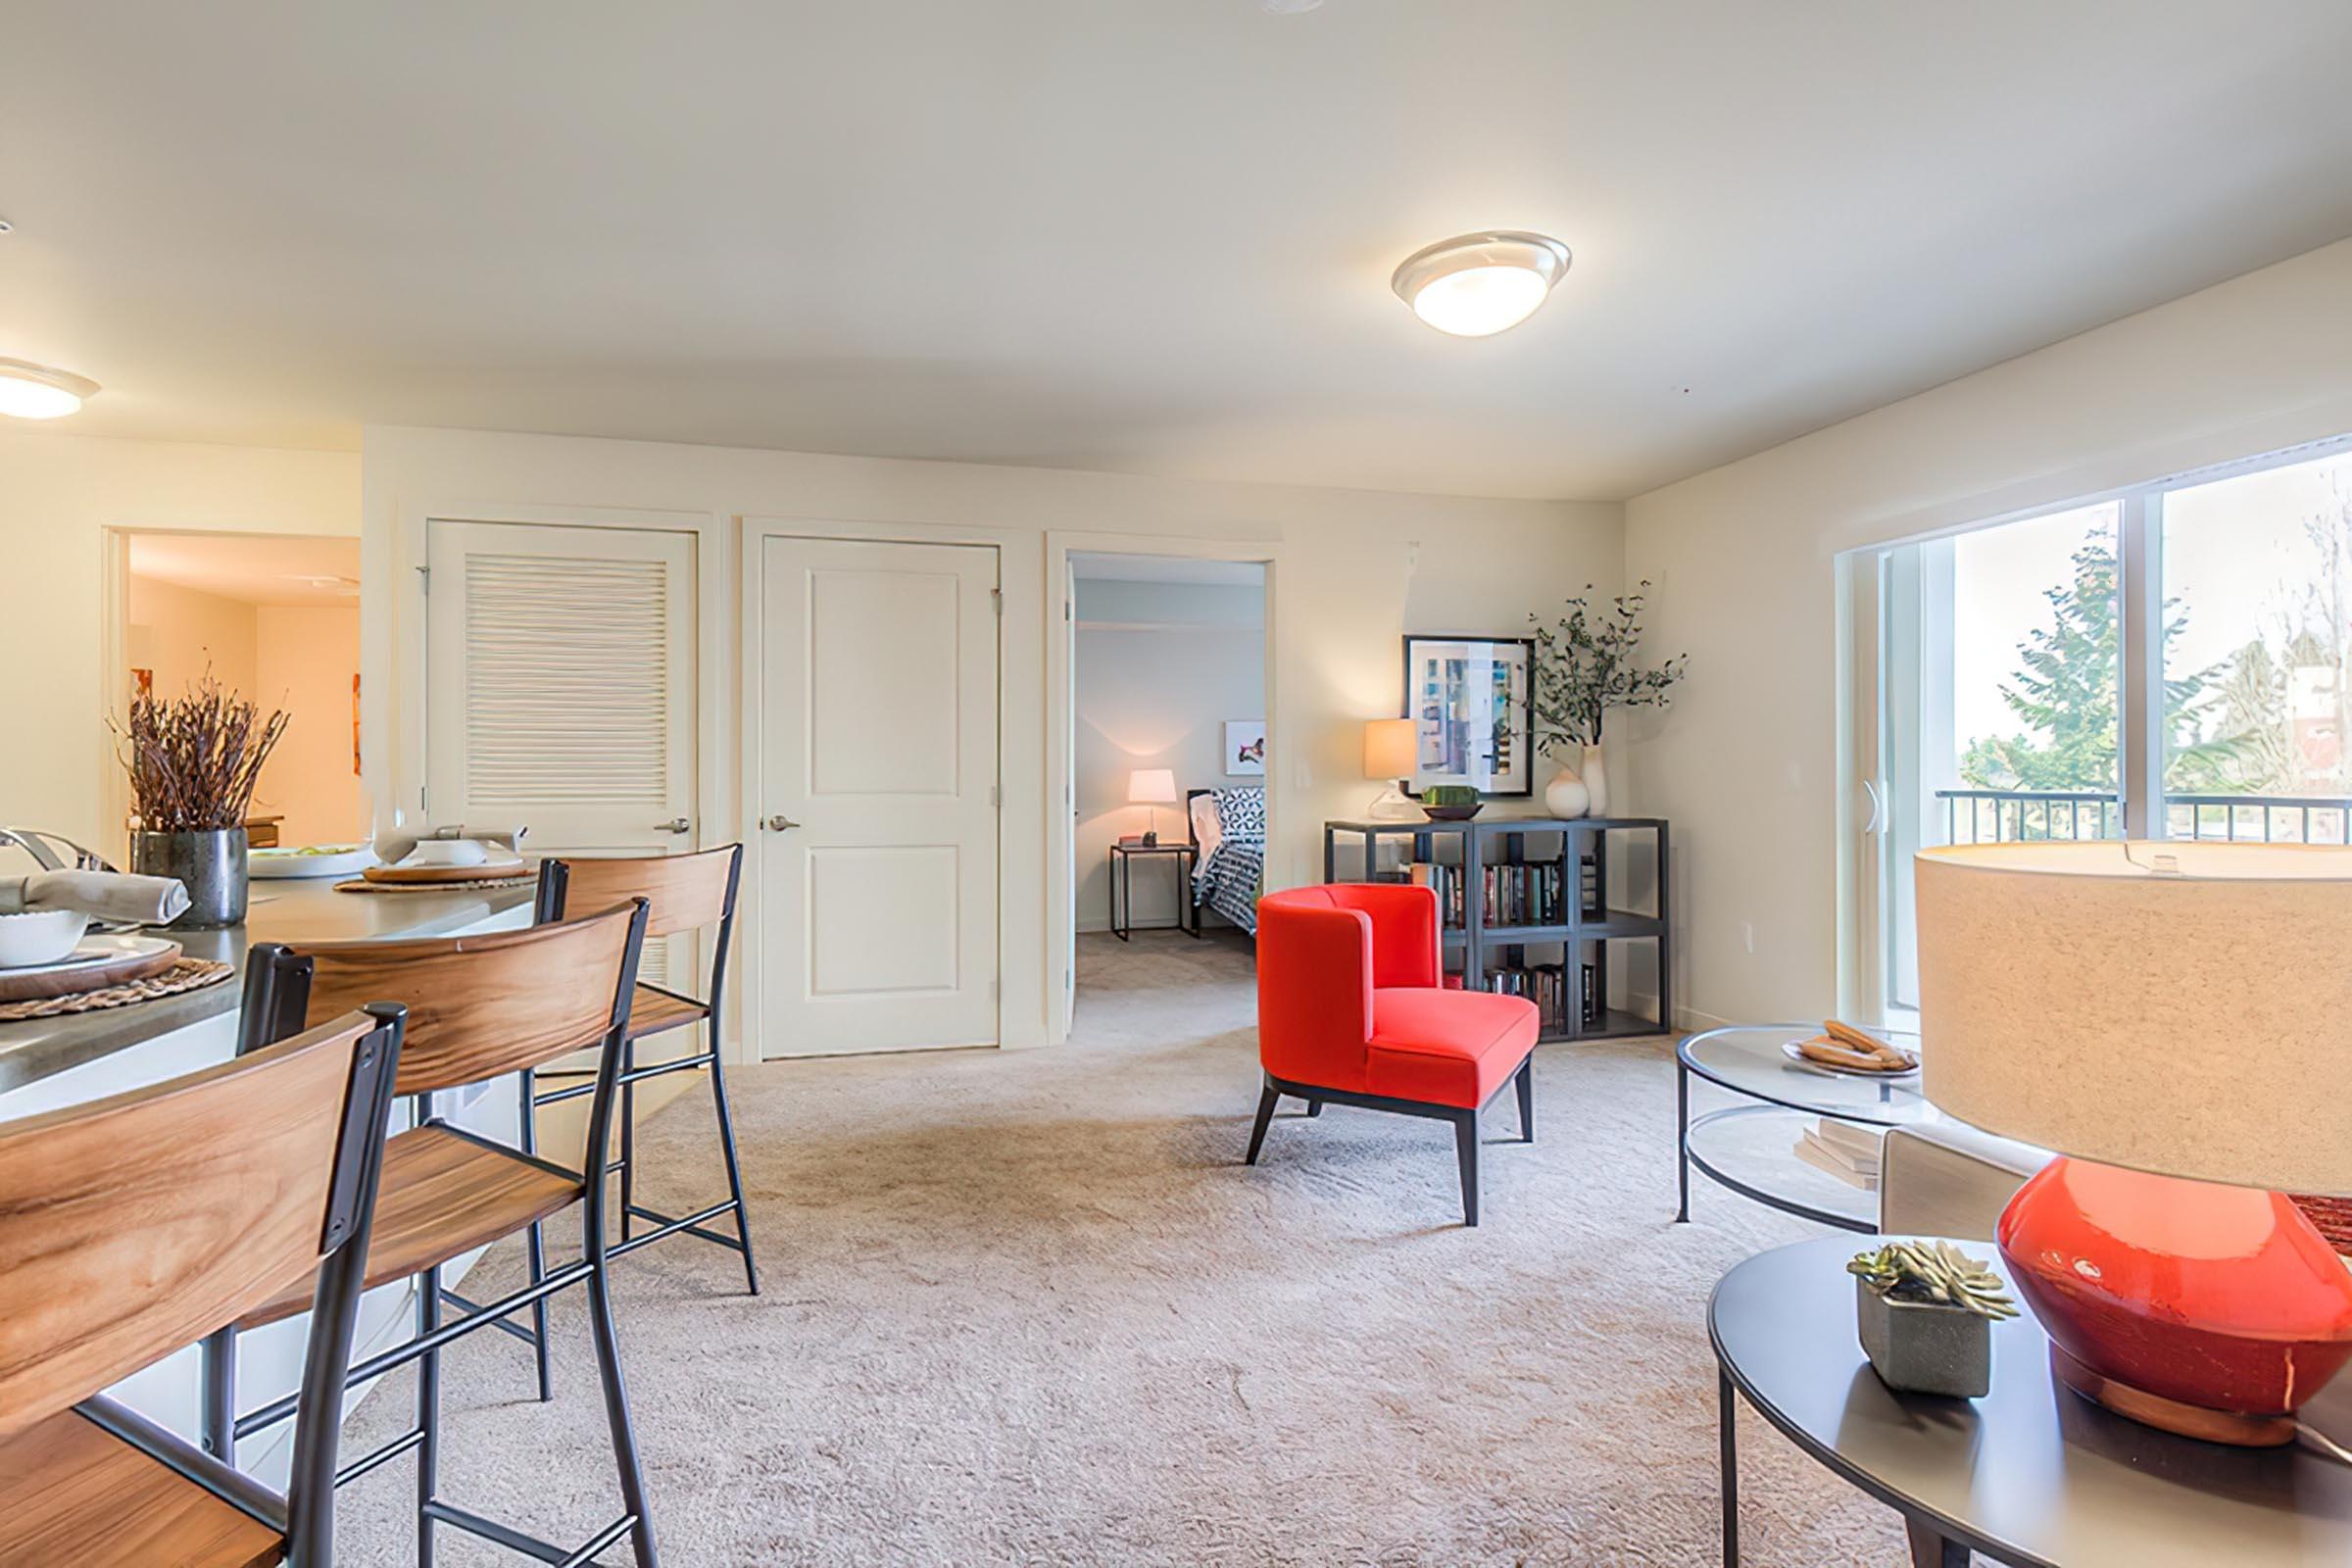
211,866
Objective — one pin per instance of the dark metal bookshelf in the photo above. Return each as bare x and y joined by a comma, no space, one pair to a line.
1584,930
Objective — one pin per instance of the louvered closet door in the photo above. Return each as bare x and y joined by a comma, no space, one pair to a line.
560,671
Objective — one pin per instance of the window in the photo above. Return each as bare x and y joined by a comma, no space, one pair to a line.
2172,662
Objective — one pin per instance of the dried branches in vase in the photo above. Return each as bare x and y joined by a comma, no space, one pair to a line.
195,760
1584,667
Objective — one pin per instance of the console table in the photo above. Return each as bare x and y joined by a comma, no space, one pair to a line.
1575,919
2031,1474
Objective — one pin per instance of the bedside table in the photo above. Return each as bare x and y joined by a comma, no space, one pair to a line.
1122,886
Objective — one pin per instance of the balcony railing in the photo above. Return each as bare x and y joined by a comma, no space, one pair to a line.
1987,816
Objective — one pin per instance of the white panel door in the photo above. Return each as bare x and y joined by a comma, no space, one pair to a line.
560,691
877,797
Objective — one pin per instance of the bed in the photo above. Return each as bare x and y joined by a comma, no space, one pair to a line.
1229,842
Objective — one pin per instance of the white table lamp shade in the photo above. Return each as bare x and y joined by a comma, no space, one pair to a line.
1151,786
1391,747
2176,1007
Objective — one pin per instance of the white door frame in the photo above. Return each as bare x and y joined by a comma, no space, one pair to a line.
395,774
1060,847
1017,999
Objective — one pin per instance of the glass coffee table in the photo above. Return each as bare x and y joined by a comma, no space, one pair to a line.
1749,1144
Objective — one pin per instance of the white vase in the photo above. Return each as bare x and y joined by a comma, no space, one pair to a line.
1597,779
1566,797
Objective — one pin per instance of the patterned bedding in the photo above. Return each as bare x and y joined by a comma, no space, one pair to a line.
1228,878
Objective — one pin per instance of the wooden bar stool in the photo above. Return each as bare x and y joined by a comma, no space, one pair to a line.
687,892
483,1006
136,1225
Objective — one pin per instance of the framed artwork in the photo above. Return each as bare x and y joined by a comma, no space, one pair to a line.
1245,747
1472,704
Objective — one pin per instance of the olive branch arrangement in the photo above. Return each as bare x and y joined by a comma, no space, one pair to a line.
194,760
1585,667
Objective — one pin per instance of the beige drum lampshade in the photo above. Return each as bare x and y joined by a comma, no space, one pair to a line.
1151,786
1391,747
2177,1008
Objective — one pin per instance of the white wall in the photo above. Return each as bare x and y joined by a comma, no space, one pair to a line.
305,657
1160,668
182,635
58,495
1354,571
1742,562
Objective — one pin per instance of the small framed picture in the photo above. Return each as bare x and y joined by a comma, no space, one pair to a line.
1245,747
1472,704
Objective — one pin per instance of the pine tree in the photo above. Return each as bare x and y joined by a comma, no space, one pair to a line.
2067,690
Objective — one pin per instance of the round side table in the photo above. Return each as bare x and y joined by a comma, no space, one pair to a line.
2031,1474
1748,1147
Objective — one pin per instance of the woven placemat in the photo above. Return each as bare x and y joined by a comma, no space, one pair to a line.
189,974
361,884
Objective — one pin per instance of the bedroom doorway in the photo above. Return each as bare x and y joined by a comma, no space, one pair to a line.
1167,660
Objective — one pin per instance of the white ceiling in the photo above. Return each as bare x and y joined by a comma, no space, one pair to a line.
253,568
1149,236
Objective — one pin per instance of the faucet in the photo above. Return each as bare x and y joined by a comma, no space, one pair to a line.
45,850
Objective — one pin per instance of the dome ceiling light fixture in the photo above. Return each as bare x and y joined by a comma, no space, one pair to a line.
30,391
1475,285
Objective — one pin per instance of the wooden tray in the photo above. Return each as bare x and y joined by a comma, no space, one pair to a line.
80,977
495,872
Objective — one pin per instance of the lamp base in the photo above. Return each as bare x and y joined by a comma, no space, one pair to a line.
2208,1310
2171,1415
1391,805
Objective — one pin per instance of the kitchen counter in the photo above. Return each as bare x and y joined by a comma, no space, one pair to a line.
279,910
49,1063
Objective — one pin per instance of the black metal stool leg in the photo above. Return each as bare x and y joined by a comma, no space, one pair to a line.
429,1412
218,1360
534,1247
1527,1100
727,1143
616,1410
628,1141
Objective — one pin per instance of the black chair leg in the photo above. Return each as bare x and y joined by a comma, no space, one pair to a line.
535,1246
628,1142
1314,1109
1265,1114
617,1412
1526,1100
726,1142
429,1412
1465,1148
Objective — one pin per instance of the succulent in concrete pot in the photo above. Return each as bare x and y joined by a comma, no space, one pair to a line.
1925,1312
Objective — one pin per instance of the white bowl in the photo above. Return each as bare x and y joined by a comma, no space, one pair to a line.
447,852
39,936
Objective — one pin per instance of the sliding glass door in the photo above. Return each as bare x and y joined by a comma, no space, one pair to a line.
2171,661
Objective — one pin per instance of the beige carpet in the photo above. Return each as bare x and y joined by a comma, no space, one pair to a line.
1031,1309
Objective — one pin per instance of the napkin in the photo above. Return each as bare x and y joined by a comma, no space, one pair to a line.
103,895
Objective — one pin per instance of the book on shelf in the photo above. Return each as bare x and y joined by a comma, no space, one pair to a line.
1508,895
1842,1150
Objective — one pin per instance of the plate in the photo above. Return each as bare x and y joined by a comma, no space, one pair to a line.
266,865
99,961
1788,1050
456,875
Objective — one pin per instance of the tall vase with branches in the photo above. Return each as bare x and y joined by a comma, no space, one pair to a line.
1585,667
194,762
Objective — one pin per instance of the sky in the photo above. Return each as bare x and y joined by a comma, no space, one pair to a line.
2234,553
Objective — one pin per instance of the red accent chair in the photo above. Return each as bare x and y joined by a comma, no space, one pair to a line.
1353,1008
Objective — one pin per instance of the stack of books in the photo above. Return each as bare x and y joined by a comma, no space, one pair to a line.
1843,1149
1509,895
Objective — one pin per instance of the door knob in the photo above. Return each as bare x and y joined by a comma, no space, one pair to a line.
780,823
678,824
